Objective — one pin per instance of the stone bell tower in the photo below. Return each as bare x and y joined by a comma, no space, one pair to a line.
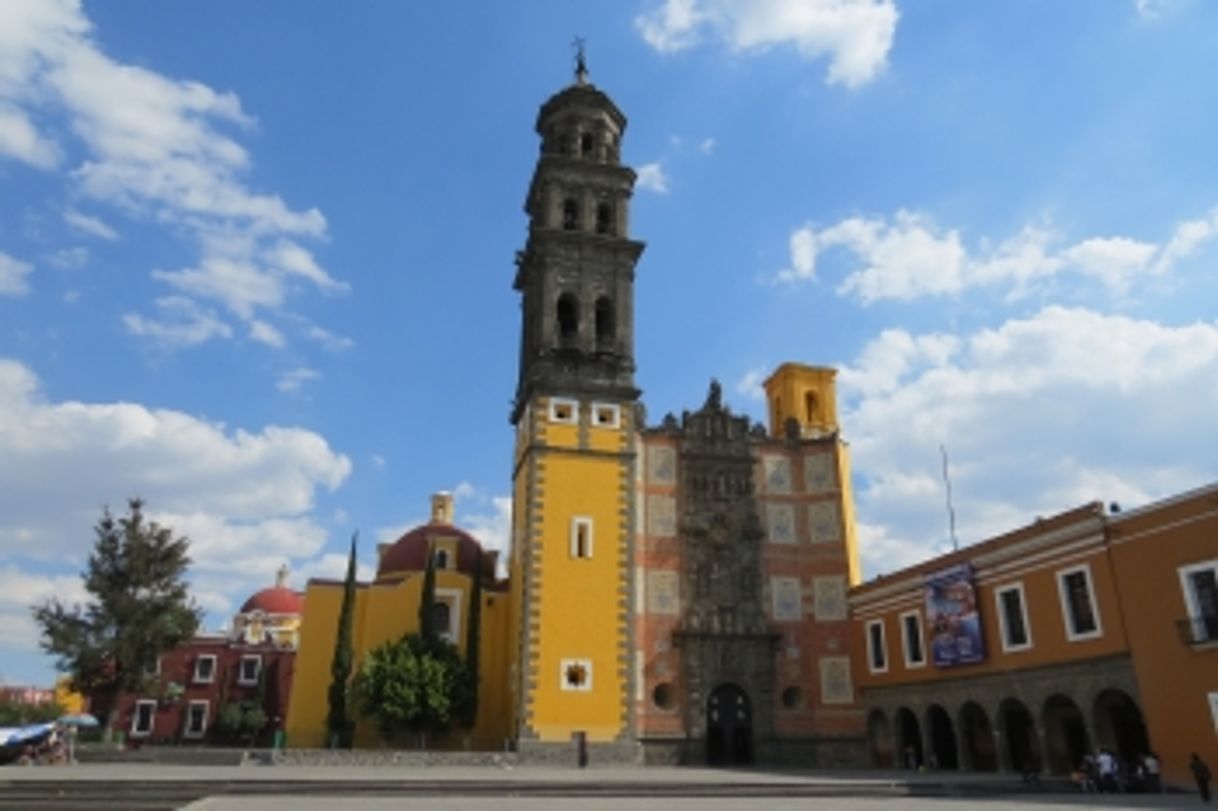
574,412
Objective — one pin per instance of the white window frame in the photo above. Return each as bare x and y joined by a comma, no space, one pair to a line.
1067,618
241,679
136,732
1213,701
909,663
187,732
1190,596
1000,610
563,664
578,521
194,673
453,598
614,408
871,666
555,403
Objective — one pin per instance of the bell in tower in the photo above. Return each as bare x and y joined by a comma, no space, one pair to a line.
576,272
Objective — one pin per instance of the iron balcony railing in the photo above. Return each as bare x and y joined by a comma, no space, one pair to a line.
1199,630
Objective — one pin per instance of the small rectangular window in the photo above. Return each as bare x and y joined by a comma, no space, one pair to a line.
606,415
911,638
581,537
1199,583
205,668
196,719
251,668
564,411
1013,618
1079,610
143,717
1213,697
877,656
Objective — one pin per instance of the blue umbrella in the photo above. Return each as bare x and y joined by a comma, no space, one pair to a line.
81,719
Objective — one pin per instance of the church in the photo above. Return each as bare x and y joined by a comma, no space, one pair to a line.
676,592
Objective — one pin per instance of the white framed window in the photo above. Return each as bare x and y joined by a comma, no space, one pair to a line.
448,614
441,558
581,537
251,669
564,411
1080,612
205,668
606,415
1213,697
196,719
143,717
1199,584
912,646
877,652
575,675
1012,609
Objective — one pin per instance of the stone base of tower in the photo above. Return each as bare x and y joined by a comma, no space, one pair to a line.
618,753
822,752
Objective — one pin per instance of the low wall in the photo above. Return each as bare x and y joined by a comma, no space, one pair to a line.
384,757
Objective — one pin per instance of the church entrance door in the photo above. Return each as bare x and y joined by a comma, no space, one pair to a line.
729,726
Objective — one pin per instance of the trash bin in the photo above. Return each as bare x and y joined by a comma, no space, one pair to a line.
280,737
581,748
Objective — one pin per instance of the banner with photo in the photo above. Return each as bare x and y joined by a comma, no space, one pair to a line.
952,618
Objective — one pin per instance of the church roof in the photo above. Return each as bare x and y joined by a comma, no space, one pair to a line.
409,552
275,600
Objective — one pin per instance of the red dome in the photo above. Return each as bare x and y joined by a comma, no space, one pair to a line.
275,600
409,553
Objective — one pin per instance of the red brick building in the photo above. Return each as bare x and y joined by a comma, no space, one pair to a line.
253,664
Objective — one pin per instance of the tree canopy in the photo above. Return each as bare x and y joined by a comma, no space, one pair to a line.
138,608
413,685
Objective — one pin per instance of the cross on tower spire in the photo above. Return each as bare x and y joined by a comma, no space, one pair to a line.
581,64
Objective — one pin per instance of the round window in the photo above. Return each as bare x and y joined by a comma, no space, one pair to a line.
792,698
662,696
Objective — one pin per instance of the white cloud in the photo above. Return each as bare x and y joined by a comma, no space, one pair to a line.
69,258
328,340
89,225
493,529
652,178
264,333
157,148
1039,414
750,384
707,146
909,257
292,380
855,35
1149,9
13,274
244,498
182,323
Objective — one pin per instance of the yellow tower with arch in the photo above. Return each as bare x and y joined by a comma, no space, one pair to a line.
802,402
574,414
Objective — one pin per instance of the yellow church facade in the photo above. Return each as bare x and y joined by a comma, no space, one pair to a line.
387,609
675,592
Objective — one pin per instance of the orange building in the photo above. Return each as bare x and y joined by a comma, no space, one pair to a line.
1023,653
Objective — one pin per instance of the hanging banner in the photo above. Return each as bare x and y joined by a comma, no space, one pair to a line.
951,616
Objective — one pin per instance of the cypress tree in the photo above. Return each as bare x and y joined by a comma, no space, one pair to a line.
427,601
337,722
473,636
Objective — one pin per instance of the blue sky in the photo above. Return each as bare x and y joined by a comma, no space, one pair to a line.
256,259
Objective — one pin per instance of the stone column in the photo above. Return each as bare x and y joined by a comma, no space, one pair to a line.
1042,742
1003,751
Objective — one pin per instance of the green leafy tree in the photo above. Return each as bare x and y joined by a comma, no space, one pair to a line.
473,639
138,608
427,601
18,713
241,720
338,724
412,686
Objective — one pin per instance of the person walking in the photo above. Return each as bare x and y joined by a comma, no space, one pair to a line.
1151,768
1201,773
